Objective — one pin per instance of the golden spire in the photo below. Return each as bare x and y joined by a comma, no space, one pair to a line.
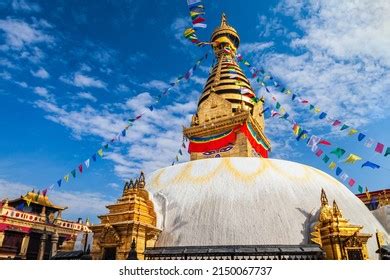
223,20
227,79
228,94
336,210
324,199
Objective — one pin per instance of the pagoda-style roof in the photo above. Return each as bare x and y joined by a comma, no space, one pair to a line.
37,199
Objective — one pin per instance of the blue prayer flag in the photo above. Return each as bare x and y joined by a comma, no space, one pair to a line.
370,164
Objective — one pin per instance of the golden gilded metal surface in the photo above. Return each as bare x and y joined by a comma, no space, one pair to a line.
339,239
222,106
132,217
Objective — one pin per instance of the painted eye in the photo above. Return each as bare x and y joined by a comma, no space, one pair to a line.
217,155
209,153
225,149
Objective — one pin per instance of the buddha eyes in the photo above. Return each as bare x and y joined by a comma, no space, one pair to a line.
225,149
222,150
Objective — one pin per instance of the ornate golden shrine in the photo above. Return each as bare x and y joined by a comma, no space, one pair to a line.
223,106
339,239
131,218
32,227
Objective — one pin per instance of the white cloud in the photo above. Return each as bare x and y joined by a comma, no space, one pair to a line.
5,62
40,73
82,80
122,88
22,84
178,27
114,186
85,67
255,47
81,204
87,96
199,80
43,92
19,33
151,143
156,84
87,121
22,5
137,57
139,102
5,75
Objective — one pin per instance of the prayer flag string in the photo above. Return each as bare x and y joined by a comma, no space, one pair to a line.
313,141
82,167
266,80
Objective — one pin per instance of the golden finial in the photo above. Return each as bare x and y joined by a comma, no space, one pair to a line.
142,180
223,20
336,210
324,199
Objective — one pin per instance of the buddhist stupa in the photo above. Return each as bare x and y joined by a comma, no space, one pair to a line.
231,194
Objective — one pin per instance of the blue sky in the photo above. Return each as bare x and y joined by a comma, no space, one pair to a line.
72,72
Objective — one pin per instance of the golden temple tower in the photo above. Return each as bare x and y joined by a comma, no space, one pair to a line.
339,239
228,121
130,224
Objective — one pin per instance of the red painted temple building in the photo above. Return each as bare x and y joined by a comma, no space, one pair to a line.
31,227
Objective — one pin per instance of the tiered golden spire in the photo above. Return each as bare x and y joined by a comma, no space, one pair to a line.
132,217
227,79
228,102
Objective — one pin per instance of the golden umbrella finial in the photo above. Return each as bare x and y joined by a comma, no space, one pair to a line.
223,20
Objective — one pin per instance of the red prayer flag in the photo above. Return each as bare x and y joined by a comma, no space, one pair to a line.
379,148
198,20
44,192
319,152
336,123
81,168
304,101
324,142
351,182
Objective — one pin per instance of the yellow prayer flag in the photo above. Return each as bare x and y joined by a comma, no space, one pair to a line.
352,131
188,32
100,152
66,177
317,110
296,129
194,14
282,111
332,165
352,158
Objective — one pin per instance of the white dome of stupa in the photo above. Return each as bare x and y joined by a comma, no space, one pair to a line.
248,201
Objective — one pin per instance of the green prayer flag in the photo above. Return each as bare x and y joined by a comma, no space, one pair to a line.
344,127
387,151
338,152
360,189
311,107
325,159
277,105
73,173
